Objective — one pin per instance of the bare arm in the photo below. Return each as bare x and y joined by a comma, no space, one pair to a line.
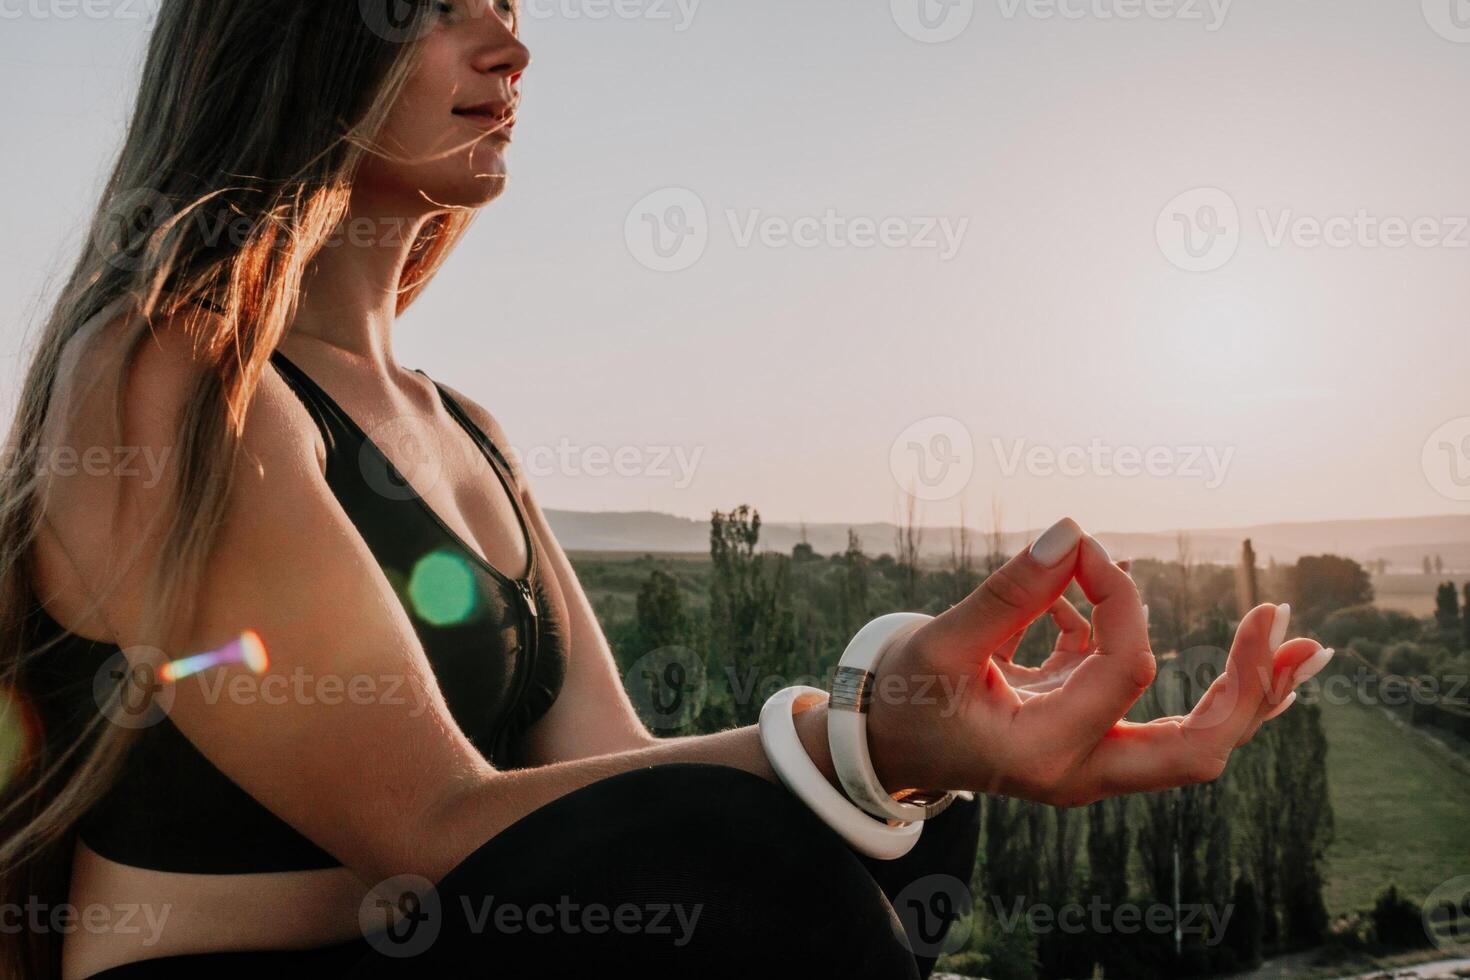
388,784
592,715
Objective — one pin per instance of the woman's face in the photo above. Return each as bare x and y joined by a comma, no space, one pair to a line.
444,141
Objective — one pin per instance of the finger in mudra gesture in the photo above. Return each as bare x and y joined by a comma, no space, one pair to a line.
1056,734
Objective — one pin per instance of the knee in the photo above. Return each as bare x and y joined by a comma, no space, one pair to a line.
765,884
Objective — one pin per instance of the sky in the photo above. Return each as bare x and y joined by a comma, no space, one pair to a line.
1147,263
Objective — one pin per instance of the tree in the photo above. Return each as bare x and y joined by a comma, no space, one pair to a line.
1307,822
1398,922
1184,599
1465,644
1354,623
660,615
1060,954
1182,845
907,544
1108,840
1247,588
1322,584
752,628
1253,774
1243,933
995,538
1447,614
962,577
1407,659
852,602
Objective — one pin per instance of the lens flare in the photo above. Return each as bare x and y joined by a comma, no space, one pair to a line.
247,649
442,588
20,732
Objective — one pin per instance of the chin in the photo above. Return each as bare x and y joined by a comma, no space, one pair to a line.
487,188
467,191
485,180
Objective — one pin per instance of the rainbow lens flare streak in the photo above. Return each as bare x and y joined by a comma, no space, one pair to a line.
246,649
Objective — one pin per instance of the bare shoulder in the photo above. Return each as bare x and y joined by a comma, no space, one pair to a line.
112,456
152,373
487,422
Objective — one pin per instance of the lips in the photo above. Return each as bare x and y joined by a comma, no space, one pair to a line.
491,115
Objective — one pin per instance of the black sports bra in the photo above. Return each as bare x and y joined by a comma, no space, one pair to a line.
497,646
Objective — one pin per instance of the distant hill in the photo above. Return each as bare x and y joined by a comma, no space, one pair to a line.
1401,541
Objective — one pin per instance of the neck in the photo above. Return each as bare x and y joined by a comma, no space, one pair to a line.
349,292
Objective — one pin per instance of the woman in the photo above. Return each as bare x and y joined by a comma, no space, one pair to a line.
448,712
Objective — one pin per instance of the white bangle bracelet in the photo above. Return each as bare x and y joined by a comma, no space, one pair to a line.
847,723
800,774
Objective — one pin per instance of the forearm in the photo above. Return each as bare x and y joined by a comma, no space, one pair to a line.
493,801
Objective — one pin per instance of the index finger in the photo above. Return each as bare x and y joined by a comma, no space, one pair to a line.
1102,688
968,632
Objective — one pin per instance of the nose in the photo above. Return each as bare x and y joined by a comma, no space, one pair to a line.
501,52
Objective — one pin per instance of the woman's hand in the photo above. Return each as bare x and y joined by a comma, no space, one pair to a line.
967,726
1073,643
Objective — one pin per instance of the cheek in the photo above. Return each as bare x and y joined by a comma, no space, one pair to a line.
420,122
427,149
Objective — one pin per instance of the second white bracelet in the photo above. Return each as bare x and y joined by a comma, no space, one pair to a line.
796,770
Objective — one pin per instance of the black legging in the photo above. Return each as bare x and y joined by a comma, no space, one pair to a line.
675,871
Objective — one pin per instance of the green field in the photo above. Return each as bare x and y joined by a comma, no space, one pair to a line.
1402,811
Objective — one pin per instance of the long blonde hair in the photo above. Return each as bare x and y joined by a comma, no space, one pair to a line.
258,114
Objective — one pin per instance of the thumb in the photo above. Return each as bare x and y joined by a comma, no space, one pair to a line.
1014,595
